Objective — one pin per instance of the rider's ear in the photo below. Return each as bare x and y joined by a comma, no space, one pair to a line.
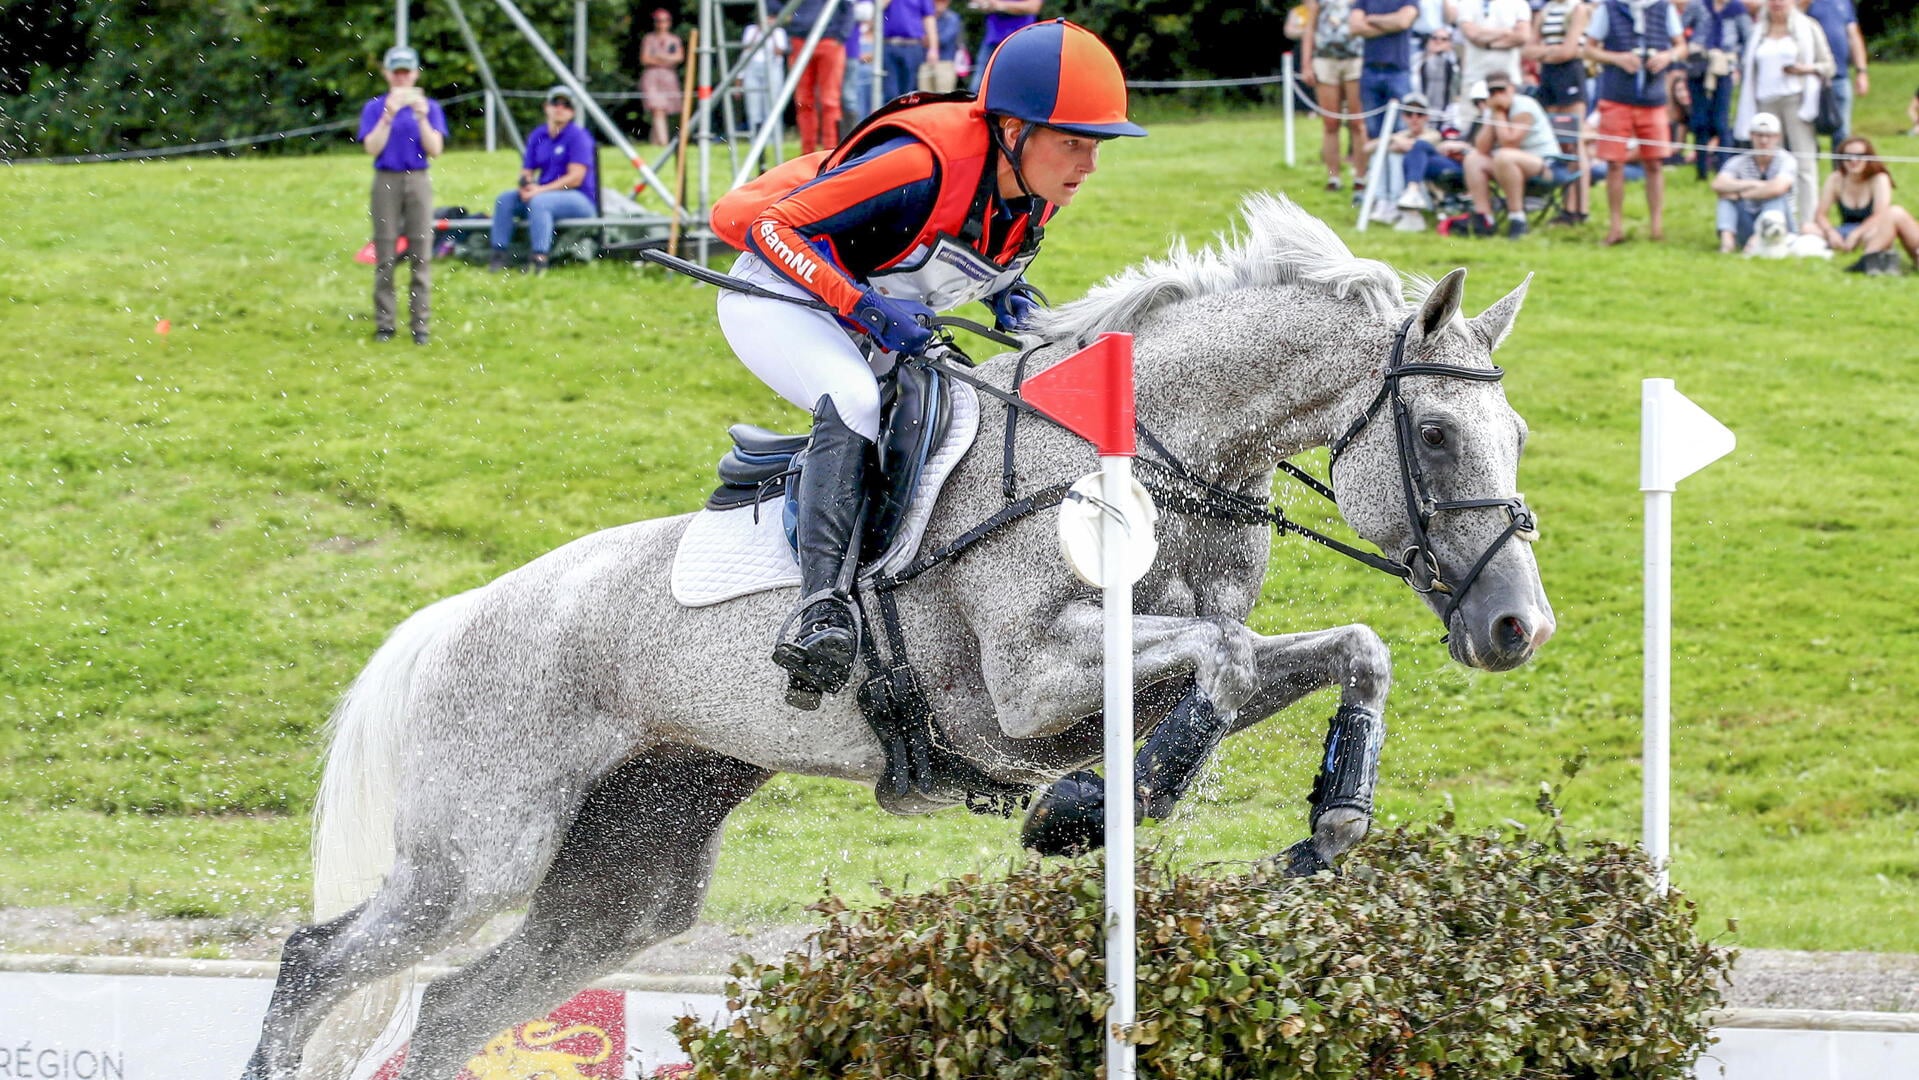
1493,324
1441,305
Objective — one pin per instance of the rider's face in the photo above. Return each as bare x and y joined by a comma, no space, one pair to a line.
1055,163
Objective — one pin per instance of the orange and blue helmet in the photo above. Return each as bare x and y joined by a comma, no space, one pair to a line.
1060,75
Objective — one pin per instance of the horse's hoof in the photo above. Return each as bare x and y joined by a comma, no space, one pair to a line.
1069,818
1303,860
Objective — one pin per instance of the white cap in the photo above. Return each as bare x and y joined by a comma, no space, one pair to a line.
1765,123
1477,91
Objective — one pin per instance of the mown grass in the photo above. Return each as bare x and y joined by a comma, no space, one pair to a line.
207,532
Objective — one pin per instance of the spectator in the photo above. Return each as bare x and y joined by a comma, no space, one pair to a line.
1514,142
1494,32
1861,190
1785,65
1436,75
816,98
1716,35
1841,25
557,182
1003,17
1386,56
763,74
1439,161
1558,28
1634,41
1912,114
1753,183
940,75
1419,128
861,76
1678,114
402,129
1331,66
661,53
911,37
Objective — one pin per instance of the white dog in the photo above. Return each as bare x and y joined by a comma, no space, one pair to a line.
1772,238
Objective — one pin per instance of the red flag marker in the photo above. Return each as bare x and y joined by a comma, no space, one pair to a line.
1091,393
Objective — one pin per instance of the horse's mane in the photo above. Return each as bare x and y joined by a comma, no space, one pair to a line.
1282,245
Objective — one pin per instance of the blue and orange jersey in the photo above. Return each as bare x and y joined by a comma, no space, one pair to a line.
831,233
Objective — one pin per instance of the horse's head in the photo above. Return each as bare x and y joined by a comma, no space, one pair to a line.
1429,473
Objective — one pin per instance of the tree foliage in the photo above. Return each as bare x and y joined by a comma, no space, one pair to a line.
1437,954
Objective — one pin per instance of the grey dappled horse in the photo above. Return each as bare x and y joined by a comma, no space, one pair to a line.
570,738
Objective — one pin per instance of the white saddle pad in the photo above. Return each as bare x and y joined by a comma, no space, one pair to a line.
727,553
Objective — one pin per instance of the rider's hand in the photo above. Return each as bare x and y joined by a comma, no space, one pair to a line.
898,325
1015,304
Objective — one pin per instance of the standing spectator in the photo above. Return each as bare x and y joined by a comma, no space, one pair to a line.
1558,28
1634,41
1436,74
940,75
1787,61
1331,67
1716,35
816,99
1386,69
763,74
861,77
402,129
661,53
1494,31
911,37
1753,183
557,182
1861,190
1841,24
1912,114
1003,17
1514,143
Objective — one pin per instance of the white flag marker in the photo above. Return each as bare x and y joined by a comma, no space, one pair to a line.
1676,439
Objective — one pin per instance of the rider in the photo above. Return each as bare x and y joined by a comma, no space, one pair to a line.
932,202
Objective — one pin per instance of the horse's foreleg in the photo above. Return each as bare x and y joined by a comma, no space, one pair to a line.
633,870
1292,666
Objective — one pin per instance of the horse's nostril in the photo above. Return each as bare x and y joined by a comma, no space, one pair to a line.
1514,635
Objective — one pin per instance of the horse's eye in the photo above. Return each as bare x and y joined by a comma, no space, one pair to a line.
1433,434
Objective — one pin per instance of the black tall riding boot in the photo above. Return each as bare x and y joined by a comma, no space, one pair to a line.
818,643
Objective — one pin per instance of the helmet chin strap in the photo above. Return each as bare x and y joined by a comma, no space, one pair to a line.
1013,153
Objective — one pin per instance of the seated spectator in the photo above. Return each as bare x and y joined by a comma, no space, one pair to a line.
557,182
1514,143
1861,190
1753,183
1439,162
1419,128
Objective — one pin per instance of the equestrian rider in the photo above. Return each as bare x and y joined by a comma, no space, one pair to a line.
932,202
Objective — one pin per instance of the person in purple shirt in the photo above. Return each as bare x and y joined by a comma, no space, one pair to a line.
558,180
402,129
1386,72
1002,18
910,36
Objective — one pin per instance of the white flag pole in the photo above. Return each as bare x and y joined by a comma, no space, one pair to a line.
1676,439
1116,489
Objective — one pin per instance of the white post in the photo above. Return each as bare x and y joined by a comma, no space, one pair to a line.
579,40
399,22
492,123
1376,172
1676,439
1116,488
1286,79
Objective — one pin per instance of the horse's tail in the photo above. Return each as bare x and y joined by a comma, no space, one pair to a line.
353,822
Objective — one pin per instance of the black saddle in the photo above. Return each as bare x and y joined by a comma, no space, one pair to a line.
916,412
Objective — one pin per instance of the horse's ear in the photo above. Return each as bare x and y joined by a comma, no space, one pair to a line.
1441,305
1493,324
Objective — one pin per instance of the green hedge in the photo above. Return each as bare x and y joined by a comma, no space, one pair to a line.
1436,954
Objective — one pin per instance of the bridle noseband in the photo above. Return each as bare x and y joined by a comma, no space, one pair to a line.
1421,562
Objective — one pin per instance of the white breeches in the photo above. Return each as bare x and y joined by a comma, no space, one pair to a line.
801,353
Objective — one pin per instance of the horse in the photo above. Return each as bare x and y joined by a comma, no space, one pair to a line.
570,738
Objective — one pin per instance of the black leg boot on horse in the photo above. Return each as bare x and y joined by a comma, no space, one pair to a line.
820,640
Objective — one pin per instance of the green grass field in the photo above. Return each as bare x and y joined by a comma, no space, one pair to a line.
208,532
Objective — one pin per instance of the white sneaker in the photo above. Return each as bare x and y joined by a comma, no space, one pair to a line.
1410,221
1414,198
1384,215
